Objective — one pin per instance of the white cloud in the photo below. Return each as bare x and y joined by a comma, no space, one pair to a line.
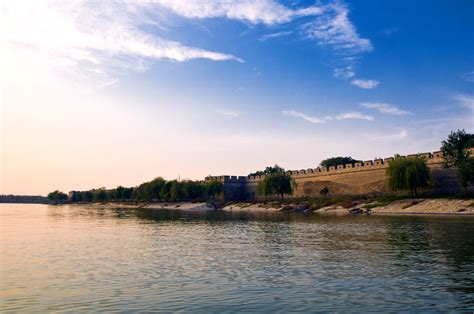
92,39
303,116
329,26
402,134
275,35
268,12
334,29
386,108
317,120
354,115
365,84
466,101
98,40
228,113
345,72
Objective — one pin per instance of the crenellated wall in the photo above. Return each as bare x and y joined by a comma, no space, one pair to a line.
358,178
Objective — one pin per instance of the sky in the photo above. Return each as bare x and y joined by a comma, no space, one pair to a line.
105,93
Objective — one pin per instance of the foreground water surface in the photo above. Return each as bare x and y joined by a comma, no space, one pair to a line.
78,259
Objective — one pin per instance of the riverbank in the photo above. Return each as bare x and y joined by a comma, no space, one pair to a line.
404,206
446,206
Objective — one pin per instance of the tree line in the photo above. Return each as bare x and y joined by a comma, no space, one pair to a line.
155,190
26,199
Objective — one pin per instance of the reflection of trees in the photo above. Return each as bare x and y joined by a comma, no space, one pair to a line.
455,237
452,237
443,246
407,235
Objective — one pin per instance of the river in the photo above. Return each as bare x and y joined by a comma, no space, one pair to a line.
83,259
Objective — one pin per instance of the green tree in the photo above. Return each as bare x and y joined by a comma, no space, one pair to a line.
143,192
87,196
268,170
79,197
155,187
148,191
457,155
99,195
278,183
76,196
112,195
176,191
127,193
119,192
165,193
214,188
408,174
192,190
336,161
57,196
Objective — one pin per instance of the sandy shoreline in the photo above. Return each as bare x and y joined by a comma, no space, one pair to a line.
428,206
435,206
408,206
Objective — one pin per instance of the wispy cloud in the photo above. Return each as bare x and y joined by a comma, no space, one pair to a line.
303,116
365,84
98,40
318,120
468,77
345,72
334,29
386,108
466,101
94,39
228,113
354,115
275,35
402,134
329,24
268,12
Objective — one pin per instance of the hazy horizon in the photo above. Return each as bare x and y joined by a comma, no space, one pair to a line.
100,94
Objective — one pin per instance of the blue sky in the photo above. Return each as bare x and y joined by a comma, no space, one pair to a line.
225,87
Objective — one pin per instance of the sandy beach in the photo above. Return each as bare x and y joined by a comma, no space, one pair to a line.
406,206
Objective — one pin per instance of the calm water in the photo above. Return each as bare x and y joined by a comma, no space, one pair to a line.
76,259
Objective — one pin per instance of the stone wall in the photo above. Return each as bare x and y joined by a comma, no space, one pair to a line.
359,178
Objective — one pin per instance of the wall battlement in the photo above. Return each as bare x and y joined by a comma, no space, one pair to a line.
227,179
358,178
431,158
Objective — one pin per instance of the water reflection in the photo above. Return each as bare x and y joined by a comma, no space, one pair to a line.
61,258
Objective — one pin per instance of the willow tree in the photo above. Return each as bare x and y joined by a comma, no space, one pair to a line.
278,183
409,174
214,188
